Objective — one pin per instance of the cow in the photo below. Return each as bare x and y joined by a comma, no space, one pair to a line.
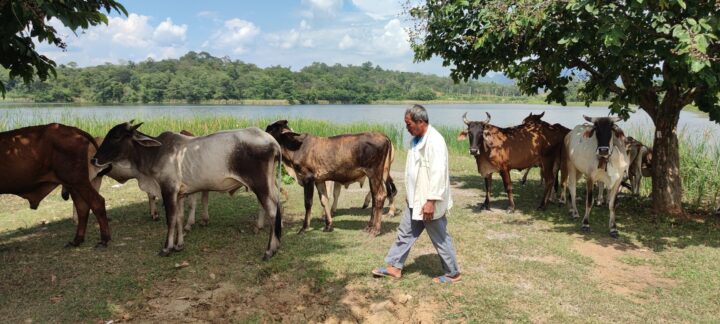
173,166
337,187
344,159
640,157
37,159
598,152
123,172
499,149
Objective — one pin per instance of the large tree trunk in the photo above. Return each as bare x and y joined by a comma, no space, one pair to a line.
666,182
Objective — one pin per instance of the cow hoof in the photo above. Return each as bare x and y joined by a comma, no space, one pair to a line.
155,217
188,229
204,222
72,244
328,229
267,256
165,252
365,206
101,245
178,248
614,234
257,230
542,208
510,210
586,229
301,231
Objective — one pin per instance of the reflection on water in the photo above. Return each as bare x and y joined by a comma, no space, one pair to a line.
503,115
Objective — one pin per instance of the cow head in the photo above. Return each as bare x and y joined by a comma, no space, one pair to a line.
475,133
533,118
119,142
284,134
603,129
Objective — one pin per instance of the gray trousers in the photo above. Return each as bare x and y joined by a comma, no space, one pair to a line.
409,231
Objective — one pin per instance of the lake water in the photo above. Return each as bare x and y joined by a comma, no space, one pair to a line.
441,114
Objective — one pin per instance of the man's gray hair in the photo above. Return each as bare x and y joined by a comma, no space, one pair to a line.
417,113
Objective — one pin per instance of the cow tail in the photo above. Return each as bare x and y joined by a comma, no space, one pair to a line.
389,184
278,213
89,137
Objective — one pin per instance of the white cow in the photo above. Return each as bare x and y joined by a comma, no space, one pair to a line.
598,152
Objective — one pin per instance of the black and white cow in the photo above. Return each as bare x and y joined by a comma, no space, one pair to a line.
598,152
173,166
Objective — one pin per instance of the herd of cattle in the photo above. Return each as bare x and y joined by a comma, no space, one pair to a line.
179,166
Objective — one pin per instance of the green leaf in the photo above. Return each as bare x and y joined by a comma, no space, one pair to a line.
682,4
698,65
702,43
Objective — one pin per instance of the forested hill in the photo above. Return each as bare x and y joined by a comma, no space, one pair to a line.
200,77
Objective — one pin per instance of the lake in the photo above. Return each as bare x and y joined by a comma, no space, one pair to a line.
440,114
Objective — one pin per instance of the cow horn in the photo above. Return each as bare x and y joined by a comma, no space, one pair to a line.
592,120
135,127
488,120
465,120
541,115
616,119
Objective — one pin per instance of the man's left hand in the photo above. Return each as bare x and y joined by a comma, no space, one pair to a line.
428,210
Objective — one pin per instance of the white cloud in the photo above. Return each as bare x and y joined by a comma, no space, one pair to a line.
167,33
379,9
319,8
393,39
235,35
346,42
133,38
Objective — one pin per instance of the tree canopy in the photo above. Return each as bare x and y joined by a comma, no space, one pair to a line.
660,55
201,77
24,22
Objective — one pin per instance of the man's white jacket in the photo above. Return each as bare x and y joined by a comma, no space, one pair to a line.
432,179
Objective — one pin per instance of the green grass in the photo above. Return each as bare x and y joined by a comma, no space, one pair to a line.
520,267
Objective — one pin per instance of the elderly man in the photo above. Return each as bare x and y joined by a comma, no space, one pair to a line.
427,185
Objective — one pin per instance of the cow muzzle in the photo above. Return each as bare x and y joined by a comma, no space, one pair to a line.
603,151
96,162
474,151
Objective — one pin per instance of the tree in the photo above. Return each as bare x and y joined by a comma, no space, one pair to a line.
24,21
660,55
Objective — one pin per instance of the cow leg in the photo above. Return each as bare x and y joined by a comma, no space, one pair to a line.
507,182
191,213
308,205
92,199
571,183
82,210
391,209
323,212
612,195
96,183
179,215
601,194
205,215
549,178
270,203
588,204
488,188
336,195
325,203
152,202
377,187
169,197
524,178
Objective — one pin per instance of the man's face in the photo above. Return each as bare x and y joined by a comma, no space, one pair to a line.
414,128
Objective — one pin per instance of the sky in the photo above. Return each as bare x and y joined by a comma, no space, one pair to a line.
289,33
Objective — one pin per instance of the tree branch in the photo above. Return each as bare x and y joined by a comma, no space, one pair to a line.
587,67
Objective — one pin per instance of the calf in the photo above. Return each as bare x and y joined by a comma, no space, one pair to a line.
501,149
640,157
598,152
35,160
173,166
344,159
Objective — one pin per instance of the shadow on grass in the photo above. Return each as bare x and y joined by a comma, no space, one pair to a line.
40,279
633,216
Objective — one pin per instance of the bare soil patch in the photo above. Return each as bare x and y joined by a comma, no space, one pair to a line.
619,277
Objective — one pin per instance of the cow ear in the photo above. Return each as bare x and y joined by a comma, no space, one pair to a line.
463,135
145,140
589,133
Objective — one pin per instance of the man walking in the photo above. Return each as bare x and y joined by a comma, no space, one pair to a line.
427,185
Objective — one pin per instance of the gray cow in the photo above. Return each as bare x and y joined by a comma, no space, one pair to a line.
173,166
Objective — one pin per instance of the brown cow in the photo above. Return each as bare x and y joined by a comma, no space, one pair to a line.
37,159
499,149
343,159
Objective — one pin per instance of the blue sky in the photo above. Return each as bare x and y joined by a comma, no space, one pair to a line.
274,32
